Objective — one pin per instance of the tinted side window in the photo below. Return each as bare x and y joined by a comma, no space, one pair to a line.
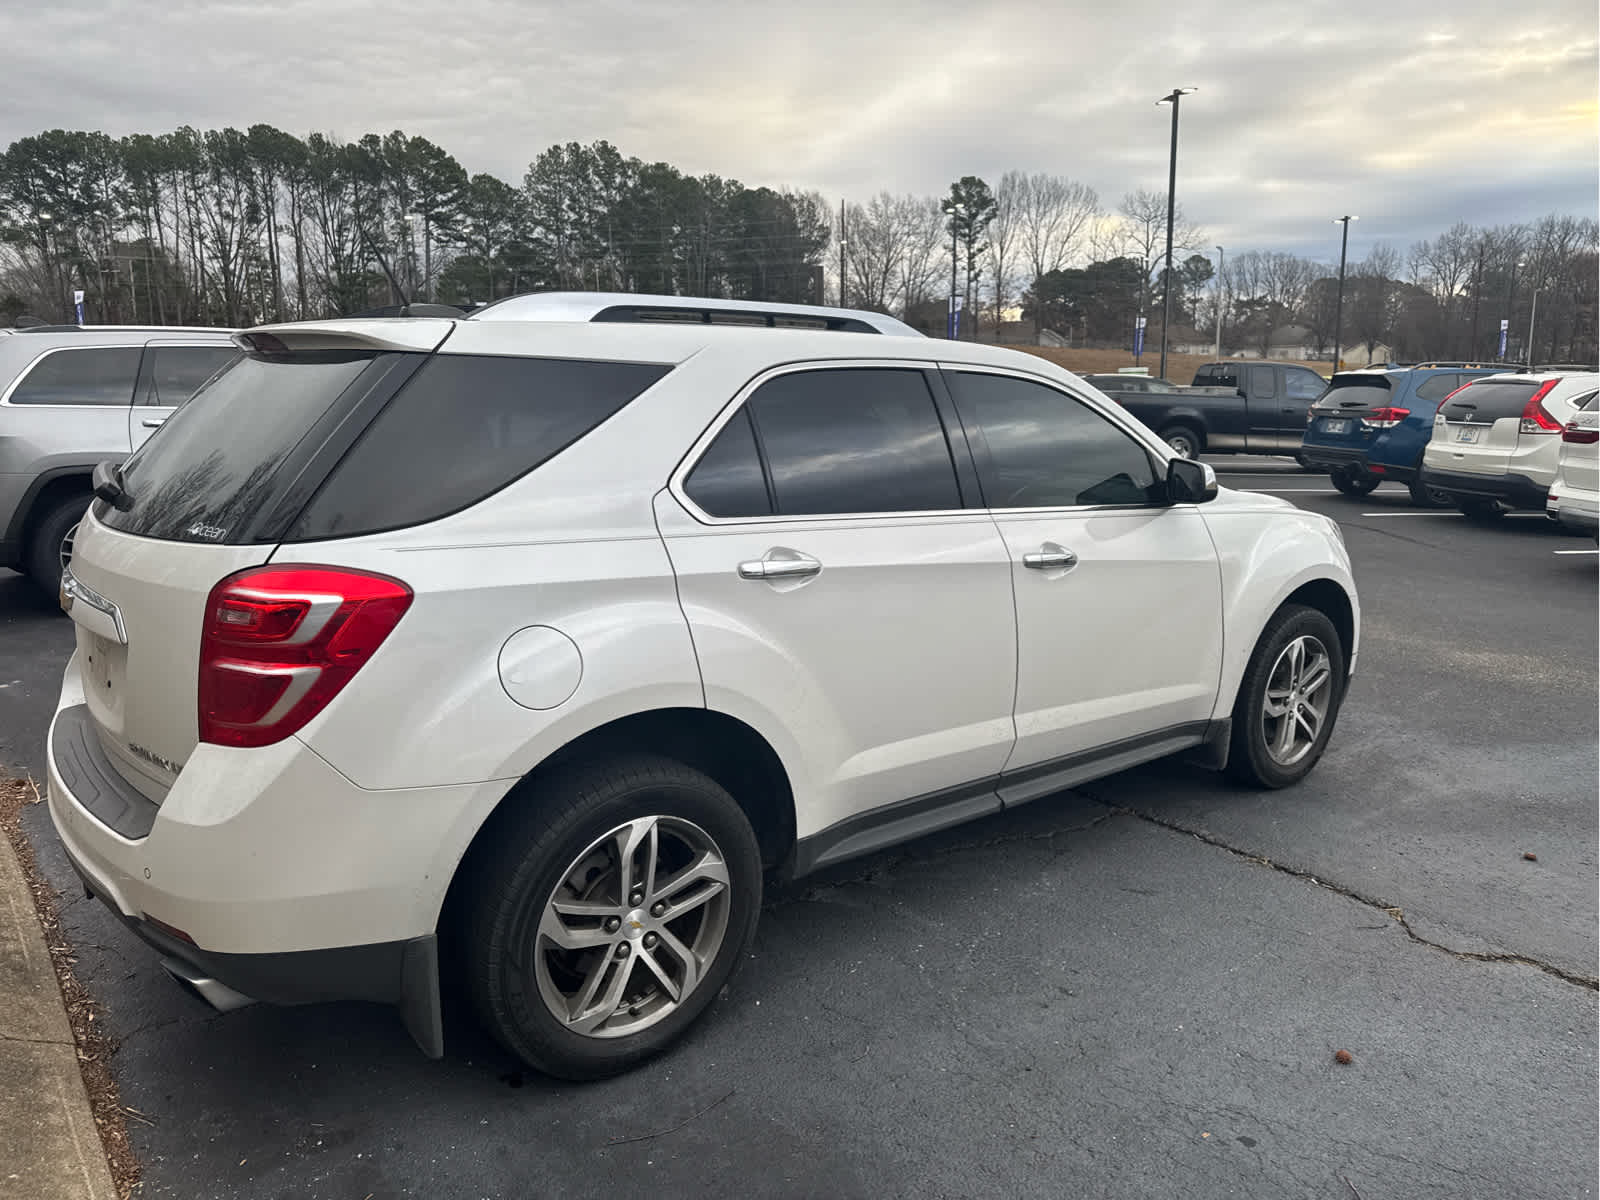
1437,387
1044,449
461,429
1585,403
1263,383
728,480
854,440
1304,385
85,375
174,373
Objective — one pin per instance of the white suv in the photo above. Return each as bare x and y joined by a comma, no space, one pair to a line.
1496,442
529,646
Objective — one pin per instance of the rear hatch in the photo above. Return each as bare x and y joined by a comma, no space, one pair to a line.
1352,412
210,495
1477,427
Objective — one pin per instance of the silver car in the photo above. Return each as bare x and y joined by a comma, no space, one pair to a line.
72,397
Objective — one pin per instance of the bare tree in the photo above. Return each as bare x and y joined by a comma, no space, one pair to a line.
1142,232
1372,305
926,260
1057,217
876,247
1005,234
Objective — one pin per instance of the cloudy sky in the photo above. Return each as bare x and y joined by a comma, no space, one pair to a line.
1413,115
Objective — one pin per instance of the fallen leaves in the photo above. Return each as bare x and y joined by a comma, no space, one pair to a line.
1343,1057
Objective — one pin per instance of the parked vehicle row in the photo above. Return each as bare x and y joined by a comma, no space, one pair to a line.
1232,407
511,652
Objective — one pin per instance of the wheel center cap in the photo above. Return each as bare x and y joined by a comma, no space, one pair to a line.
633,924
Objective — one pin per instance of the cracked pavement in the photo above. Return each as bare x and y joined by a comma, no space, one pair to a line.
1132,989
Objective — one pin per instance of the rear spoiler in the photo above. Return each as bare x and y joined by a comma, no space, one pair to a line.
414,334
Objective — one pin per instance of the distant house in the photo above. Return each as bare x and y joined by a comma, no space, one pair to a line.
1357,355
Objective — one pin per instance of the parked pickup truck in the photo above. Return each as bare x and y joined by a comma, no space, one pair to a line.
1231,408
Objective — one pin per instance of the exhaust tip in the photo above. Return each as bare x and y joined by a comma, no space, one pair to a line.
217,995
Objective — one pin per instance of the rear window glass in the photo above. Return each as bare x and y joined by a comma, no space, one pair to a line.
1490,400
463,428
101,375
1363,391
211,467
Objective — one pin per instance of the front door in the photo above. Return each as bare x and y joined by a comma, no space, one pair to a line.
1118,593
847,598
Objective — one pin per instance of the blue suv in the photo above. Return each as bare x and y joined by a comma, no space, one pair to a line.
1371,426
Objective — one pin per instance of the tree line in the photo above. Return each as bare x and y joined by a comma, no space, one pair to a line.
236,227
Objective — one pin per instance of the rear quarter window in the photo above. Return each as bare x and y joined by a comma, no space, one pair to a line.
86,375
461,429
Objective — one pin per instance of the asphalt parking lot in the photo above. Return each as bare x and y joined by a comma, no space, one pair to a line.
1135,988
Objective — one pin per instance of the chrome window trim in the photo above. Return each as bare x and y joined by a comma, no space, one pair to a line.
701,444
1159,452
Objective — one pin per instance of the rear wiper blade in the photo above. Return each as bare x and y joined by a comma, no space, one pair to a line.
109,487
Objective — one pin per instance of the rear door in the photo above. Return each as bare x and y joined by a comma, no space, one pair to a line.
844,588
170,373
1264,407
1301,389
1118,594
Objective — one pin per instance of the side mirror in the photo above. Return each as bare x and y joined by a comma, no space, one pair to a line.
1190,482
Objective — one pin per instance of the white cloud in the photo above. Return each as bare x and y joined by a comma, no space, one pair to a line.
1415,116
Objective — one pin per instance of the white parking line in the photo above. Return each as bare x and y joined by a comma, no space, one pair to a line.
1575,552
1277,491
1413,514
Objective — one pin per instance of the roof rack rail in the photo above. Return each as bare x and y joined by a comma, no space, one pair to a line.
624,307
48,329
1477,366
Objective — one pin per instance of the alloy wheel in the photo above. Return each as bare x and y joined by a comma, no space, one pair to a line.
1297,700
632,927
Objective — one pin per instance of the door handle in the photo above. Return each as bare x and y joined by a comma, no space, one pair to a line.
1050,557
153,422
801,567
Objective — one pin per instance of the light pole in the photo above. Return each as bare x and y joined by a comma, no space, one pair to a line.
1338,306
1222,259
1172,98
842,245
1531,315
953,323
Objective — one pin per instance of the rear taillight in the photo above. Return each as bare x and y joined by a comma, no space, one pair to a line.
279,643
1386,418
1580,437
1535,417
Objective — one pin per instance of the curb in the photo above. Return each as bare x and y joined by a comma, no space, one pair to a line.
50,1145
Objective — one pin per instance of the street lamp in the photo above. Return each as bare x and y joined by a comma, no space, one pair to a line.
953,323
1338,308
1222,259
1172,98
1534,312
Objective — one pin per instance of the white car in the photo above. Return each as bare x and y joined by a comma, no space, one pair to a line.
1575,493
543,641
1496,441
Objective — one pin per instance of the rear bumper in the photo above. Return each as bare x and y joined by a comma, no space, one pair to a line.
1333,458
1516,490
1575,509
268,872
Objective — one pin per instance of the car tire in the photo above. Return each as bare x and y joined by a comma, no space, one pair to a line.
1257,755
1481,508
1183,440
1424,496
566,847
45,542
1352,484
